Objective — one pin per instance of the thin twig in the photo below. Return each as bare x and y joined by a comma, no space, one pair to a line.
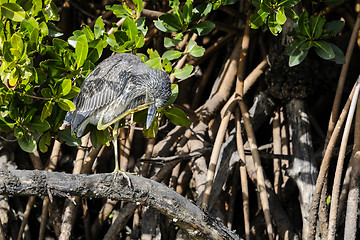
243,175
259,170
325,166
352,217
162,160
214,156
341,82
277,150
340,164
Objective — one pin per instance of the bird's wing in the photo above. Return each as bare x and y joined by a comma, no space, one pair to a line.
102,86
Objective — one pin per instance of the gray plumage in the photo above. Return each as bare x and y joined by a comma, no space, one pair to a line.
119,85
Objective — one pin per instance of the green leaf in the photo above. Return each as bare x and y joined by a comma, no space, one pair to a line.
99,27
69,140
74,91
46,92
139,5
140,24
65,87
88,33
297,57
5,125
256,3
184,72
151,132
7,52
303,24
44,30
174,94
159,24
297,52
280,17
324,50
139,41
257,19
66,104
26,141
73,39
290,13
140,116
168,42
333,27
203,28
53,67
274,26
172,54
81,51
201,10
44,142
170,21
53,30
119,11
17,45
288,3
188,11
316,26
99,137
60,45
96,48
52,12
13,11
166,64
339,55
177,117
37,125
130,28
195,50
46,111
265,5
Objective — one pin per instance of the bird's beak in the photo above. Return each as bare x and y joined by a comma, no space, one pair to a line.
151,115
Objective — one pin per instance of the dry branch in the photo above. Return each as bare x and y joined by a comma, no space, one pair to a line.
115,186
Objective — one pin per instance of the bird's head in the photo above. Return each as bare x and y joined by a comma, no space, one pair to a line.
160,93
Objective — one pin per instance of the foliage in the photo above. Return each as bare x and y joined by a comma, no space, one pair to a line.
41,73
307,32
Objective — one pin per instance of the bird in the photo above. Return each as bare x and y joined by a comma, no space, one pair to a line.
120,85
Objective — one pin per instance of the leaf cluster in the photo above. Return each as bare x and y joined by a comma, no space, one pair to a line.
41,73
308,31
313,32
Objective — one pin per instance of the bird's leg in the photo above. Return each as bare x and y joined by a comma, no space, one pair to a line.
115,143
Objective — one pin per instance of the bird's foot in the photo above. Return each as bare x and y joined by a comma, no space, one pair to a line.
117,171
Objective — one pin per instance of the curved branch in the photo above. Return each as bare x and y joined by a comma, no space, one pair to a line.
185,214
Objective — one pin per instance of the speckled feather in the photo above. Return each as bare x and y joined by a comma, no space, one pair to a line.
118,84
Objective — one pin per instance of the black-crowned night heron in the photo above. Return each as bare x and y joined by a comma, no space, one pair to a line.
120,85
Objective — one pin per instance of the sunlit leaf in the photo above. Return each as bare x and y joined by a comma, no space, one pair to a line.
183,73
177,117
46,111
81,50
99,27
66,104
172,54
13,11
44,142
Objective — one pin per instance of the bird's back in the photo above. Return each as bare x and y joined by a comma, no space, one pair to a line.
106,86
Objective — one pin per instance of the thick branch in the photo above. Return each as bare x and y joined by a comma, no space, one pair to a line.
115,186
